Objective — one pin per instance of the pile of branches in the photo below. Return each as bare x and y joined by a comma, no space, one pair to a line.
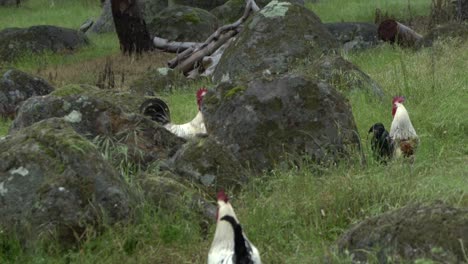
191,54
192,58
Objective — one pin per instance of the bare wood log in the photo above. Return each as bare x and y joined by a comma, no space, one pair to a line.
173,46
248,9
209,63
188,64
395,32
180,57
187,60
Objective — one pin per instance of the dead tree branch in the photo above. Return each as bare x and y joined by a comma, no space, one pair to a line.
192,55
395,32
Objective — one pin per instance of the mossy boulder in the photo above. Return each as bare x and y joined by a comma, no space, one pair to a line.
434,232
453,30
170,192
343,75
19,42
7,2
354,35
149,9
55,184
208,163
205,4
156,81
129,102
145,140
232,10
17,86
183,23
274,40
275,119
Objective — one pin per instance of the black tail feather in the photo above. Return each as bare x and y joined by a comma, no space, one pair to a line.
241,247
157,110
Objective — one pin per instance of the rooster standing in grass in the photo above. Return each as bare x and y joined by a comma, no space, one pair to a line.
402,131
402,139
230,245
159,112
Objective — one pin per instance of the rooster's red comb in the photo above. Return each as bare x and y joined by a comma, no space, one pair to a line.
222,196
398,99
201,92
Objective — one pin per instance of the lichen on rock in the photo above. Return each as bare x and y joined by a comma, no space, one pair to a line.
275,9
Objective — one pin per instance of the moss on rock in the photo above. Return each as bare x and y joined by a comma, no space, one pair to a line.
18,42
183,23
60,179
420,231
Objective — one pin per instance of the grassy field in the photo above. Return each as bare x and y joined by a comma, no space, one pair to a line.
364,10
294,216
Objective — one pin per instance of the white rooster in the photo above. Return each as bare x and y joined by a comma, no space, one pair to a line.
230,245
402,131
159,112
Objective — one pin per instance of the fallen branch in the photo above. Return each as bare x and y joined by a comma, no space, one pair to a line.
192,55
188,64
173,46
395,32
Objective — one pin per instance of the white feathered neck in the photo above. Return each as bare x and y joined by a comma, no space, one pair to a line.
224,234
402,128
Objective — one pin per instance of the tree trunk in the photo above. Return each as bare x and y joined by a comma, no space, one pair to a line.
130,27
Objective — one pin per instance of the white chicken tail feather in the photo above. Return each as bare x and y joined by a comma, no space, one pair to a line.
190,129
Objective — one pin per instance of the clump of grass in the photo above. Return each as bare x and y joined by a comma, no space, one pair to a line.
4,126
49,12
364,11
100,46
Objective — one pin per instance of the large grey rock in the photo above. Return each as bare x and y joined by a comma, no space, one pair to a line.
8,2
279,37
170,192
127,101
54,184
436,232
183,23
157,81
18,42
354,36
343,75
17,86
273,119
232,10
145,140
210,164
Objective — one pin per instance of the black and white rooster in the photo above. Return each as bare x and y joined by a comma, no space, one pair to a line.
230,245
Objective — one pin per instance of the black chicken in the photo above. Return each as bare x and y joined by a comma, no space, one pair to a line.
381,143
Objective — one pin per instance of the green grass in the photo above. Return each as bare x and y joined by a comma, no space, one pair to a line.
4,125
294,216
100,46
364,10
70,14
